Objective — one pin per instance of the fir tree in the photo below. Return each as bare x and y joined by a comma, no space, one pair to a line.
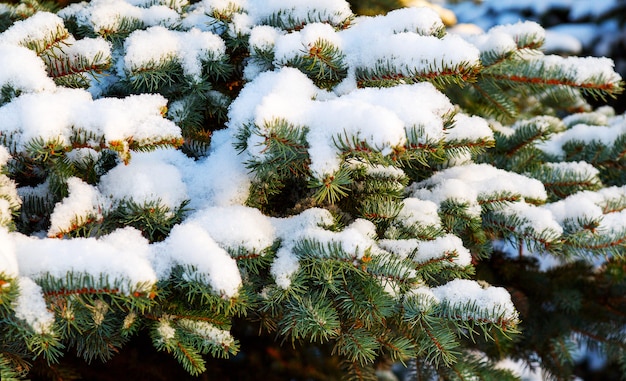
372,189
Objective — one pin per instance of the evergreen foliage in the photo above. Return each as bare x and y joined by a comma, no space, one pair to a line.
372,189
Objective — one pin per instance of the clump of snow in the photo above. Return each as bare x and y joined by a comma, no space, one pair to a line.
8,260
533,220
137,182
108,16
419,212
39,27
289,46
221,179
160,15
340,118
493,302
577,210
23,70
449,190
585,134
237,226
523,33
30,306
241,25
190,246
47,115
137,117
409,54
96,50
9,198
580,206
82,203
420,106
448,249
56,116
293,13
146,49
577,169
122,256
290,230
423,21
263,37
165,330
279,94
208,332
495,42
469,128
485,182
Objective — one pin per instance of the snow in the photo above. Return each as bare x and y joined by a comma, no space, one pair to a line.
469,184
289,46
423,21
97,50
9,198
521,31
208,332
493,302
136,181
165,330
33,29
328,123
591,25
290,230
449,249
410,54
533,220
158,45
30,306
263,37
190,245
420,107
23,70
237,226
221,179
121,255
8,260
419,212
81,204
294,12
220,227
469,128
585,134
56,116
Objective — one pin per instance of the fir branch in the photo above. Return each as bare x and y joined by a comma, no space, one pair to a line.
8,293
324,63
152,218
75,72
10,371
117,33
357,345
311,317
386,74
155,76
286,19
561,181
52,41
535,74
332,187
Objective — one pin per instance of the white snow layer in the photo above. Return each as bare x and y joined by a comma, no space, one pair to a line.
30,307
217,186
492,302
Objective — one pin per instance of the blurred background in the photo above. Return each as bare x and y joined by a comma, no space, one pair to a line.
574,27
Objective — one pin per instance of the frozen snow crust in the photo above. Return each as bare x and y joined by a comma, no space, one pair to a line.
221,227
